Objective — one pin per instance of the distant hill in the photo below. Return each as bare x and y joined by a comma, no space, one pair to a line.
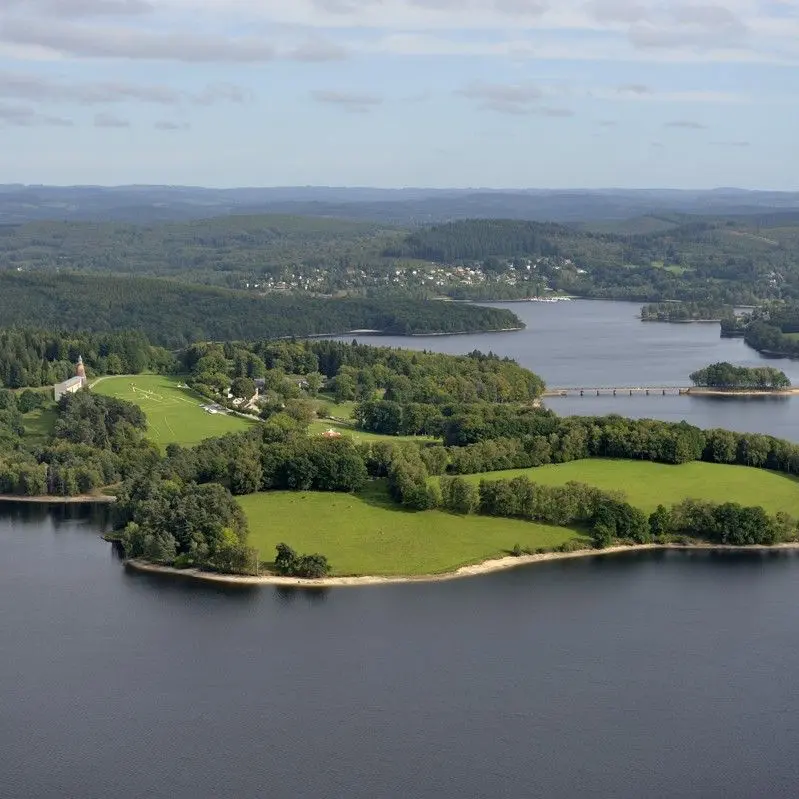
413,206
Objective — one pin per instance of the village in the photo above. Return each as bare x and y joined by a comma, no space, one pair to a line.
428,275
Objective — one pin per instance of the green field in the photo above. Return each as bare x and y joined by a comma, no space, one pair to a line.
348,429
40,424
649,484
367,533
173,414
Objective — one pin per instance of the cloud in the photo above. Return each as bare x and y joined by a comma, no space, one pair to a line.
134,43
658,145
519,98
686,124
35,88
259,31
170,125
352,102
555,113
731,143
110,121
26,117
634,88
316,50
84,8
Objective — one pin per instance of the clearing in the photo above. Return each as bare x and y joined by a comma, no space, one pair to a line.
368,534
174,414
649,484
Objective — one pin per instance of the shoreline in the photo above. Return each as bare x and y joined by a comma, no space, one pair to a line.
698,391
49,499
486,567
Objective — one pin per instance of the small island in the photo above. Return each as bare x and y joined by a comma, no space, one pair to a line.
682,312
727,378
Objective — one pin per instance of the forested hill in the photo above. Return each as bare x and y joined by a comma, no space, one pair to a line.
740,260
173,314
476,239
205,250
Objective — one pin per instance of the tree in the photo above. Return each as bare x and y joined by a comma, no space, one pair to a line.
660,521
315,381
285,560
243,388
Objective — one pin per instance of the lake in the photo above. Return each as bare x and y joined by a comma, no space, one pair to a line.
638,675
597,343
660,674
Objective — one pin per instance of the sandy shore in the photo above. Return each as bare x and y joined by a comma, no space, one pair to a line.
486,567
83,499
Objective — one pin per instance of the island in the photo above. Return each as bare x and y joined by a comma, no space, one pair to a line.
725,378
681,312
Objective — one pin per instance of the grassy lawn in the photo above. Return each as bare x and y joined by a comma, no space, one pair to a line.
39,424
367,533
173,414
649,484
349,429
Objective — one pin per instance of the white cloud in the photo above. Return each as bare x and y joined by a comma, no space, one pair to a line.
110,121
352,102
662,31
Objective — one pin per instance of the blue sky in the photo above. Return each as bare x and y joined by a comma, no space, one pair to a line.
501,93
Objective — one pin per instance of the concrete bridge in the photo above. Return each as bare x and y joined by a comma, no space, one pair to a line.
614,391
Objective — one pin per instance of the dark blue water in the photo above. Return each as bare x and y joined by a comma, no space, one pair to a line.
595,343
638,675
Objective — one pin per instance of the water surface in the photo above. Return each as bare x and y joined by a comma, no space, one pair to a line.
597,343
663,674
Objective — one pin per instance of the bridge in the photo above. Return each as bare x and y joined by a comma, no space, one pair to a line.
614,391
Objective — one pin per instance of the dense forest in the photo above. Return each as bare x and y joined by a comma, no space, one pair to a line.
172,314
35,358
385,381
478,239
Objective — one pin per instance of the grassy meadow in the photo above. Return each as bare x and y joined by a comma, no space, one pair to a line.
173,414
40,424
367,533
649,484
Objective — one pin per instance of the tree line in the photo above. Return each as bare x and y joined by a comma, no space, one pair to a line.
684,312
609,517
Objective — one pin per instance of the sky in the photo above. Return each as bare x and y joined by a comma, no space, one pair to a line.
434,93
